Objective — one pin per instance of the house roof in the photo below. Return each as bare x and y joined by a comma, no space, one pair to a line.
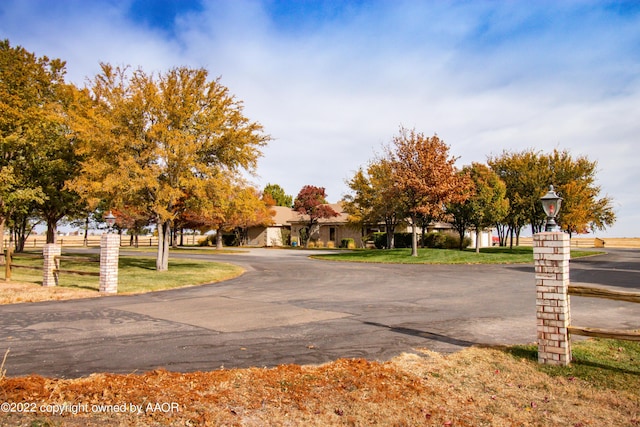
283,215
342,217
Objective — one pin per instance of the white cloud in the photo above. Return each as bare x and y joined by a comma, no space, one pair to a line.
484,76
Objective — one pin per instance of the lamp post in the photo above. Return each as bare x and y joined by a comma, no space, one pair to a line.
110,220
551,204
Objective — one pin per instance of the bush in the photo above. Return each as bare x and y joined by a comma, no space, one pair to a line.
435,240
331,244
379,240
401,240
230,240
348,243
445,241
209,240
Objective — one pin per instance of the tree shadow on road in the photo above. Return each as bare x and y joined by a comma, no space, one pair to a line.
424,334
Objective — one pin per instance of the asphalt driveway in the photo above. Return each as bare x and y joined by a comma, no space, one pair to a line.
288,308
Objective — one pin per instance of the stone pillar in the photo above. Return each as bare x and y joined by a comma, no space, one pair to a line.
51,252
551,254
109,252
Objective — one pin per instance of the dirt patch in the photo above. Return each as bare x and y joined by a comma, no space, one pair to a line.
15,292
475,387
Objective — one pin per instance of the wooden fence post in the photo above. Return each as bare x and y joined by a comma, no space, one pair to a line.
7,264
551,254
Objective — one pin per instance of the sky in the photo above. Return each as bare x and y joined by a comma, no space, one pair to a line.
333,81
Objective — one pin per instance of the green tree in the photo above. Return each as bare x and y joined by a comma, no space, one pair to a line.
156,141
278,195
426,176
526,178
376,198
528,174
37,151
485,205
583,210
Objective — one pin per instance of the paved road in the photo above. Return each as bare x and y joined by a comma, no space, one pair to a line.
287,308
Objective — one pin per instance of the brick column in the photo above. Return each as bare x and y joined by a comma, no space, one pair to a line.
50,269
551,254
109,252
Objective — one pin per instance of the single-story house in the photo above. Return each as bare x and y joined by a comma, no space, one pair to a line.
276,234
287,225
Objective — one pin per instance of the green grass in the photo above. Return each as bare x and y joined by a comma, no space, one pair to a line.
605,363
135,274
494,255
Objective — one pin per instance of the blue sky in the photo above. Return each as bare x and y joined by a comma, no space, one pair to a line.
332,81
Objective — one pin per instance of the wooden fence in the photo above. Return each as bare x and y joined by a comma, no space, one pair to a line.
37,242
10,265
584,291
593,242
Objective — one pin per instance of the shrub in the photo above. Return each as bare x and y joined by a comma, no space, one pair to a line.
400,240
209,240
435,240
331,244
445,241
379,240
348,243
230,240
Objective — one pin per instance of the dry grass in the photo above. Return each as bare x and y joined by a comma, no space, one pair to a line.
15,292
475,387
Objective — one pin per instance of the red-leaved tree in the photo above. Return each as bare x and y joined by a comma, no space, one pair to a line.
311,201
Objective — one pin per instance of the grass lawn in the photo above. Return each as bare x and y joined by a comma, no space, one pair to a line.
495,255
135,274
604,363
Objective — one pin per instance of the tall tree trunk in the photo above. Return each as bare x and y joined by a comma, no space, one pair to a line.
414,236
86,232
164,241
2,246
219,238
52,230
478,232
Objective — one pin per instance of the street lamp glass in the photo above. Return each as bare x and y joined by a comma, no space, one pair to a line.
551,203
110,220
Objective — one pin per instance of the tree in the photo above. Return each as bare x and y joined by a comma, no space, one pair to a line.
426,176
311,201
278,195
529,173
376,198
157,141
34,144
485,205
574,178
526,179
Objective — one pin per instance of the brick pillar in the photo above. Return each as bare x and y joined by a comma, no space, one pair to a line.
109,252
551,254
51,264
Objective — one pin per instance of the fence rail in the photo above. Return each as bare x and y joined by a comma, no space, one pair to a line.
9,264
586,291
125,241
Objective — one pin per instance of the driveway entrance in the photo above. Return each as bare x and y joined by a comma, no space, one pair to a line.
287,308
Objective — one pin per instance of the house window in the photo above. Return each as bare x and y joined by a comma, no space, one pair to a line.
332,234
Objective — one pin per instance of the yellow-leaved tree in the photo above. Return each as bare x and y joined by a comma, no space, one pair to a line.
157,141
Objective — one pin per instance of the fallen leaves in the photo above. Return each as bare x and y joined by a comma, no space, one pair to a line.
462,389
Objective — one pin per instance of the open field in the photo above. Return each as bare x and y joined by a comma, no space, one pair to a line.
474,387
